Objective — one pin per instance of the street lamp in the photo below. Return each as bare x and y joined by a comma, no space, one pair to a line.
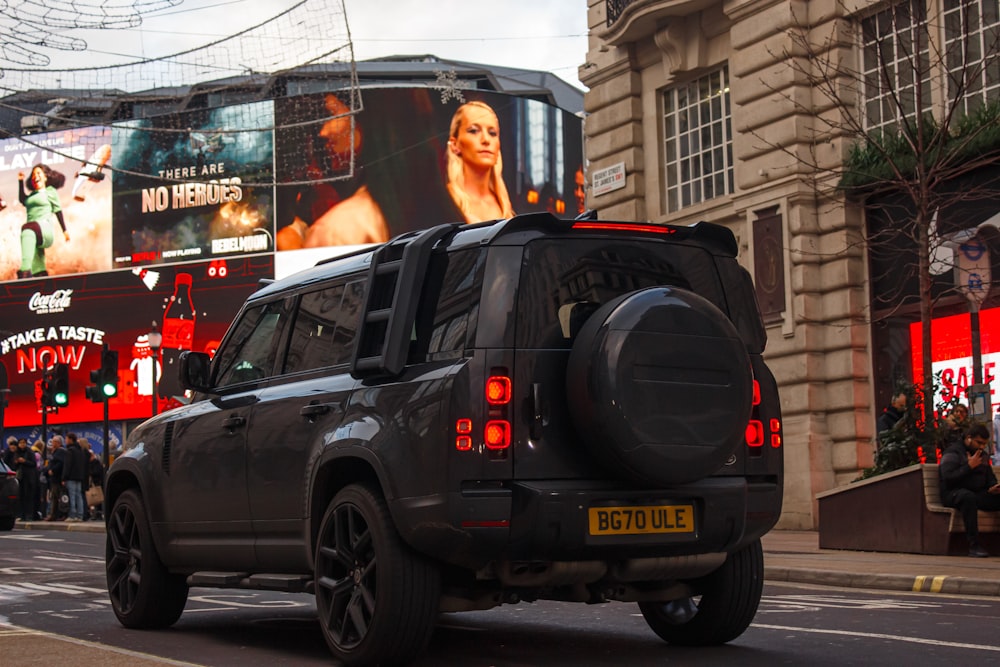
155,340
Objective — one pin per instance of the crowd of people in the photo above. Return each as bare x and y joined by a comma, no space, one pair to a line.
54,480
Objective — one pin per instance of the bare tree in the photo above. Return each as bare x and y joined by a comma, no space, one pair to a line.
909,94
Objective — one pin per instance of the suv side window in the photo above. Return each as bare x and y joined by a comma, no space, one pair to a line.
449,308
325,324
250,352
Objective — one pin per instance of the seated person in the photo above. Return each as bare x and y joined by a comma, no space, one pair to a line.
969,484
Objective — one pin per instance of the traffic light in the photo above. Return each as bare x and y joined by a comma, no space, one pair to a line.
109,373
105,378
47,386
59,385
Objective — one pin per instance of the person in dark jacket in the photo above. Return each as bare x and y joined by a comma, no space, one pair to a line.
891,414
969,484
27,475
75,474
54,473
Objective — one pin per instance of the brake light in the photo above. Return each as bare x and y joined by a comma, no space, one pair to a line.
498,390
623,227
755,433
775,433
463,435
497,434
756,393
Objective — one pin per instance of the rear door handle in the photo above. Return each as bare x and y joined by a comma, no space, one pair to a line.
234,422
314,410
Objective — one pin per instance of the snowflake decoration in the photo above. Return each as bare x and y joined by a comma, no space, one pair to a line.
450,86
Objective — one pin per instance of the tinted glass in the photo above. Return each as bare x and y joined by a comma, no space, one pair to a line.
450,306
325,324
249,353
563,281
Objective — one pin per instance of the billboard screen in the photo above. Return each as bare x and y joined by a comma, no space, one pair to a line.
76,189
951,354
194,185
70,319
421,158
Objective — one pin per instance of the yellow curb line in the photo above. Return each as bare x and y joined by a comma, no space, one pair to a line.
937,583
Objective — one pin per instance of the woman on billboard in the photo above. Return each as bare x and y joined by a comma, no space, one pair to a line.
43,207
475,166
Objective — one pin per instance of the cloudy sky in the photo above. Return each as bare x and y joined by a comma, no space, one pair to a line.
532,34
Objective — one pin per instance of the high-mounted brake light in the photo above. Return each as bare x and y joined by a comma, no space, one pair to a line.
498,390
623,227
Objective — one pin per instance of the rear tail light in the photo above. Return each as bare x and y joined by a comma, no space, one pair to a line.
498,389
498,392
497,434
756,433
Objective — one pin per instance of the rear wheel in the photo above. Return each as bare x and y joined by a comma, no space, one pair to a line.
724,609
143,593
377,599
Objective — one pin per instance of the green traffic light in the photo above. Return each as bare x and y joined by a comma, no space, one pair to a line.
109,390
60,399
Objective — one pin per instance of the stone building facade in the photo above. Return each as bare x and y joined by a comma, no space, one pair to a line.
711,80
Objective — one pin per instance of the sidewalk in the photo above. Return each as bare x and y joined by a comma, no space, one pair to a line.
795,556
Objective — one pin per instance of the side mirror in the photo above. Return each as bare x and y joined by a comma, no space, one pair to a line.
196,371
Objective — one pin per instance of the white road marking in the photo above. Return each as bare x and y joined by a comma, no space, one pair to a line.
873,635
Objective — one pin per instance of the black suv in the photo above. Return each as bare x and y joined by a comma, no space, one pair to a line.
463,417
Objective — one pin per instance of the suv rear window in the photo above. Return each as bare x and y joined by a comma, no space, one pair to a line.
564,280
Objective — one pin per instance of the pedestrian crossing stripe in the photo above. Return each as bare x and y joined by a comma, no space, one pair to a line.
936,583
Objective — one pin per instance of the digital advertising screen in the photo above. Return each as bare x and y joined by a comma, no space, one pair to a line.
951,353
70,320
76,187
194,185
413,158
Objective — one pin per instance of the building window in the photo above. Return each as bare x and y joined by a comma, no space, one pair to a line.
971,34
889,40
698,143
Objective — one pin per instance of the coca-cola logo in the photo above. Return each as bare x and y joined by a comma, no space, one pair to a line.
57,302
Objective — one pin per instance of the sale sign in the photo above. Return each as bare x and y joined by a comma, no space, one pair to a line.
951,355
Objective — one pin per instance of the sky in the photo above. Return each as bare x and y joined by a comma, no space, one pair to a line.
530,34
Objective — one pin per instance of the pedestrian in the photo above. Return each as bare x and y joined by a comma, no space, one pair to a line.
43,480
54,467
74,475
95,479
969,484
891,415
10,453
27,477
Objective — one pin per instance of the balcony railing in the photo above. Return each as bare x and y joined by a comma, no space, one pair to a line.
615,9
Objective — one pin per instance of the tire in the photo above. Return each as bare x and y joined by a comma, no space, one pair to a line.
660,386
144,595
727,605
7,523
377,599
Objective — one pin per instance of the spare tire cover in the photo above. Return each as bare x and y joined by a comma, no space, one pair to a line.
660,386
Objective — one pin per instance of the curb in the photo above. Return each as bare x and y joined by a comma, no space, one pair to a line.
929,583
81,527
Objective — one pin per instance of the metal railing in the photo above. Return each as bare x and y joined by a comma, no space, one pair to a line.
615,9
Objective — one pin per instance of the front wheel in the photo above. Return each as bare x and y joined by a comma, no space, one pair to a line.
143,593
723,609
377,599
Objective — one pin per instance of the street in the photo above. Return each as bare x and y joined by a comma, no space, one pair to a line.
54,582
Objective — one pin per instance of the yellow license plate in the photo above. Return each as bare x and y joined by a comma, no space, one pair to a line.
641,520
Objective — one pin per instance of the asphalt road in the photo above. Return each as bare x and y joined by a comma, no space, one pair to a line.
53,582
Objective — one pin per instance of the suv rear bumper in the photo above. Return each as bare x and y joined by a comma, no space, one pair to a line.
549,520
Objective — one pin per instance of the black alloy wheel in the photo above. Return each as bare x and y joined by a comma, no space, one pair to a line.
726,603
377,599
143,593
